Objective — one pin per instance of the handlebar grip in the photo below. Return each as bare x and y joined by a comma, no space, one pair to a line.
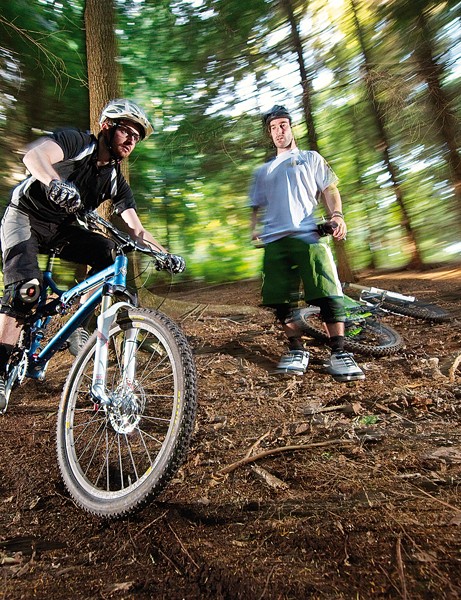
324,229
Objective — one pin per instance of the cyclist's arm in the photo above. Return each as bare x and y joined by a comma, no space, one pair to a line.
137,232
333,204
40,158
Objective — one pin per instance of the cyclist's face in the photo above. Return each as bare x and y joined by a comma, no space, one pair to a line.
281,134
126,136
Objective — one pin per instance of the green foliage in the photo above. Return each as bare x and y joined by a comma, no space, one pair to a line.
206,69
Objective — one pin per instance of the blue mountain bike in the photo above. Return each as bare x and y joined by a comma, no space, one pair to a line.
128,405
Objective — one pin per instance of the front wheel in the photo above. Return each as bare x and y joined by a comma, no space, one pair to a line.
418,310
114,458
363,334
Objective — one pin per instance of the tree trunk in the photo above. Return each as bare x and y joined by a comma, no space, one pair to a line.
103,69
306,82
383,144
344,267
446,124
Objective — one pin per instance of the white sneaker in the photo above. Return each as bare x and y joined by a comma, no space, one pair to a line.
294,362
343,367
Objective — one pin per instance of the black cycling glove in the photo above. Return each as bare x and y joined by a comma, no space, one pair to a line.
170,262
175,263
65,194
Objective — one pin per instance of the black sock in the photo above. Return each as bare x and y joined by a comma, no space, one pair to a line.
337,343
294,343
5,351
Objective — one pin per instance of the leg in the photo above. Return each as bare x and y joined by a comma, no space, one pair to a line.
10,328
323,289
21,277
280,287
86,248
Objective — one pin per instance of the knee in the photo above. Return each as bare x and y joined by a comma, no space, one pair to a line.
20,298
104,257
331,309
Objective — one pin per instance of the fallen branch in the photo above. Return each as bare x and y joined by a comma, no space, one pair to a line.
271,480
450,365
347,408
256,444
450,506
255,457
400,569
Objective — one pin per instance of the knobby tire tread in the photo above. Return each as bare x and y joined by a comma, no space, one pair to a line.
391,345
182,437
426,312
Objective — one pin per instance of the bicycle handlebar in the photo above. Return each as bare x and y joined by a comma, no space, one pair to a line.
327,228
162,259
380,292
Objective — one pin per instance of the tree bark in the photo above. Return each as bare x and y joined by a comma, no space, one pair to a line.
384,145
446,124
344,267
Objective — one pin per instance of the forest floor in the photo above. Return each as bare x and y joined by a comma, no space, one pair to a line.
368,506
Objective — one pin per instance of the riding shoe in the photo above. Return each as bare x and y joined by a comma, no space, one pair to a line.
342,367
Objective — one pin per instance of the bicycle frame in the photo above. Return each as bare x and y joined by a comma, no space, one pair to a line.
103,284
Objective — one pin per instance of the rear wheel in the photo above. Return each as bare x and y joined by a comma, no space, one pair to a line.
114,458
365,335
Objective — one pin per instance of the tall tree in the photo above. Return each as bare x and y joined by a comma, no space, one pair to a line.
416,19
383,140
306,80
101,56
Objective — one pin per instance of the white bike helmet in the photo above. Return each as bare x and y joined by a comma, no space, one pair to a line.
121,108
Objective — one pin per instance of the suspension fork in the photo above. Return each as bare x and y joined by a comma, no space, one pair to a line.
128,367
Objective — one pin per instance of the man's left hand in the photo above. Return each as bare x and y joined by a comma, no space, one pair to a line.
176,264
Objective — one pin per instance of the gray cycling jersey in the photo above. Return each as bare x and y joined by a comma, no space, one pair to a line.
287,190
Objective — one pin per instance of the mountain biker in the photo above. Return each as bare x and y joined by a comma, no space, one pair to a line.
286,190
69,170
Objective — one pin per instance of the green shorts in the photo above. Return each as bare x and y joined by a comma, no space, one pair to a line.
290,261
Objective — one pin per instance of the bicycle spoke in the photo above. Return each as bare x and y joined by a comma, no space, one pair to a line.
134,443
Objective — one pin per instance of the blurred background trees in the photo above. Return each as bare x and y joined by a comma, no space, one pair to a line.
372,86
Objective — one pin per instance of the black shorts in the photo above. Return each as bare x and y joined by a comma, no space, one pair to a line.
23,238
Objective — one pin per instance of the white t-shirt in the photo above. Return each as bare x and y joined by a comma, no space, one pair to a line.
287,190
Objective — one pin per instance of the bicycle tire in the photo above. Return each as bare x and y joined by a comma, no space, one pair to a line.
418,310
113,460
367,336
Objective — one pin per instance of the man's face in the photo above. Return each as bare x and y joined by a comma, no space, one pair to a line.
127,135
281,133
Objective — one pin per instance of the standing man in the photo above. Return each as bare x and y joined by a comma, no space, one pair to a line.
69,171
286,190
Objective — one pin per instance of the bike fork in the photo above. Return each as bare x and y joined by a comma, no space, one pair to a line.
105,321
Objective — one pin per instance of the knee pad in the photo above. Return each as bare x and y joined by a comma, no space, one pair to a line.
20,298
331,309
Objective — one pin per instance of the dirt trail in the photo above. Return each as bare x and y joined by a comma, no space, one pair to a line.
367,507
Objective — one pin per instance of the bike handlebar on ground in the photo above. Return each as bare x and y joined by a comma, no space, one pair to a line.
379,292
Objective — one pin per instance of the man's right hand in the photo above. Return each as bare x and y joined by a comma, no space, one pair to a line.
65,194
